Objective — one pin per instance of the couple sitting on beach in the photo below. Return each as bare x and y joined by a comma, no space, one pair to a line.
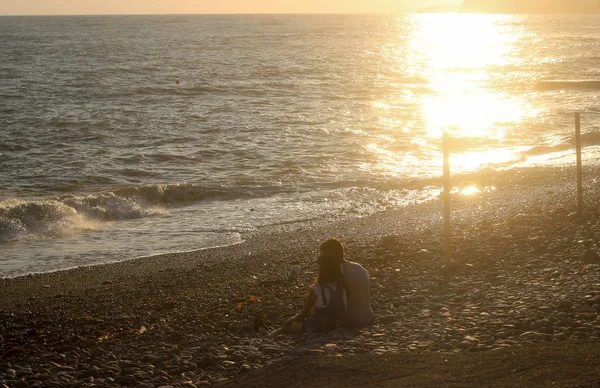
339,297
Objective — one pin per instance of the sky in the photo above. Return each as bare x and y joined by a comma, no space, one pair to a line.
103,7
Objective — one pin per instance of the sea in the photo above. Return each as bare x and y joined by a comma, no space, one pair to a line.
130,136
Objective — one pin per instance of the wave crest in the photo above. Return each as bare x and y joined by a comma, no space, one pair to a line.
46,218
20,220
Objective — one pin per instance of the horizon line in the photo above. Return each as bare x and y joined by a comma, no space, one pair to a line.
218,13
417,12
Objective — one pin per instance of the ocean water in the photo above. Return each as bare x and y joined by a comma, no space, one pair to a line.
129,136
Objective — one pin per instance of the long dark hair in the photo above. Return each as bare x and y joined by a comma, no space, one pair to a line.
330,271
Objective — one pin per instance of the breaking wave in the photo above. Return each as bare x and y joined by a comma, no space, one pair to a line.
54,217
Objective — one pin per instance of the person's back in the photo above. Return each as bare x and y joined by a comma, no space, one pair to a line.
358,309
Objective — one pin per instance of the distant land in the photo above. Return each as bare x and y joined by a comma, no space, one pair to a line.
531,6
440,9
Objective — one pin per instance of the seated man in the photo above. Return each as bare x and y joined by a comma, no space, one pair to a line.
358,310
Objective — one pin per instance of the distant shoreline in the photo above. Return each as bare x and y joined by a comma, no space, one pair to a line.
530,7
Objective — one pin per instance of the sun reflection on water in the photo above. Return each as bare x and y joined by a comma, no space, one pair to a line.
471,190
457,56
459,51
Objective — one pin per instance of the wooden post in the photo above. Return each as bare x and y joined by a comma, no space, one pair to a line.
579,174
447,228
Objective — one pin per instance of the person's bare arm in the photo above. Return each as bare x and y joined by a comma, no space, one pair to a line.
310,301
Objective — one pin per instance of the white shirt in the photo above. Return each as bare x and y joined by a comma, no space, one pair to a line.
358,308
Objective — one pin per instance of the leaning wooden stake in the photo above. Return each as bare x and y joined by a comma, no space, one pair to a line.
447,229
579,174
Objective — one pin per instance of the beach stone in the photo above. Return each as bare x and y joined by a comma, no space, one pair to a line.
564,304
592,300
130,370
253,357
125,380
543,326
93,372
445,346
310,352
388,319
237,356
270,350
546,309
205,362
24,372
532,336
43,377
590,256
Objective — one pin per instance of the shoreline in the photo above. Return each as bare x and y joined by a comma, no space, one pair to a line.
32,274
513,181
198,318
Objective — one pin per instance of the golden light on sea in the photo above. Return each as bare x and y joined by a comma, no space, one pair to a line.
459,51
460,57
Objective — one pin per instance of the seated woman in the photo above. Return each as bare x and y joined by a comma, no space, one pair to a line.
326,296
359,312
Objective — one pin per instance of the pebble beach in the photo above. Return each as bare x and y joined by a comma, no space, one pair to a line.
526,272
